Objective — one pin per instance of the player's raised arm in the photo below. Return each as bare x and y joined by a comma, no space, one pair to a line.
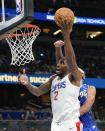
58,46
90,100
37,91
69,51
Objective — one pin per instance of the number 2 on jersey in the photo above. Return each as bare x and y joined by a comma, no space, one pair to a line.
56,95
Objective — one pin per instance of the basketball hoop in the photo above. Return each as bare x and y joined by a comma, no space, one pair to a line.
20,44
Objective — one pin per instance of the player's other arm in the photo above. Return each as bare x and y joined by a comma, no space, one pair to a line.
58,46
37,91
90,100
42,89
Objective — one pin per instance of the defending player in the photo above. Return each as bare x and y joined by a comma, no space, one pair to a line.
64,86
86,96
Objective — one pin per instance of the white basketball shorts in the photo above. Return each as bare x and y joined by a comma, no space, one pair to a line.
66,126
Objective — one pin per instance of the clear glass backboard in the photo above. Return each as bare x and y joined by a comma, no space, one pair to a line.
11,11
14,12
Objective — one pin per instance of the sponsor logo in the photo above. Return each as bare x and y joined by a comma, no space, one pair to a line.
18,6
71,128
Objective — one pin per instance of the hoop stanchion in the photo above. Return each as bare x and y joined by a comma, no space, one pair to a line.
21,42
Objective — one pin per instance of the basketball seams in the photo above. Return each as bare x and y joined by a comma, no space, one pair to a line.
64,15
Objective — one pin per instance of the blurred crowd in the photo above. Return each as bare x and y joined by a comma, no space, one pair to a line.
26,115
34,121
25,121
92,61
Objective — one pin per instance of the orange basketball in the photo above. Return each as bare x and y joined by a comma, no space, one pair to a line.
64,14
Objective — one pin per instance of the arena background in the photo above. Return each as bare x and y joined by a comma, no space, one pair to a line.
88,39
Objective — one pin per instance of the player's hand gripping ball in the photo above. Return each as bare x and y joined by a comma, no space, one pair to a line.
64,15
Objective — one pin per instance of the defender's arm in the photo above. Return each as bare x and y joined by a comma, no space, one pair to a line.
58,53
90,100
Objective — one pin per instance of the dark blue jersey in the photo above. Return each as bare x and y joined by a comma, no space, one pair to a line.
86,119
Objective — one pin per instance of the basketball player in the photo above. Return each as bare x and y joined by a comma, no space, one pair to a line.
64,87
86,96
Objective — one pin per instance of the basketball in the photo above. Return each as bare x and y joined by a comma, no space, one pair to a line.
64,14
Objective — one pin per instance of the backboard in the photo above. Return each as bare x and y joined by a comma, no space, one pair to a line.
15,14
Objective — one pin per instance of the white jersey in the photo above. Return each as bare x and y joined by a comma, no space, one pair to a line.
64,99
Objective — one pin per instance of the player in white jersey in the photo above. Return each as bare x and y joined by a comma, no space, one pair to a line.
64,86
86,95
65,104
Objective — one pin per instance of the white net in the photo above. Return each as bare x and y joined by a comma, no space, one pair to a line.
20,44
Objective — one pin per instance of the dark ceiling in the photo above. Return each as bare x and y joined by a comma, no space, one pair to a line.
86,8
94,8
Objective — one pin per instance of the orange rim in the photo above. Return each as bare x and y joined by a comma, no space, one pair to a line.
25,34
30,26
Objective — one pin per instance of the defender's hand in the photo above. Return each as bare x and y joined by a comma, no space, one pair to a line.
23,78
59,43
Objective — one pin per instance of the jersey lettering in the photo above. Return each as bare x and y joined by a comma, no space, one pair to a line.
59,86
